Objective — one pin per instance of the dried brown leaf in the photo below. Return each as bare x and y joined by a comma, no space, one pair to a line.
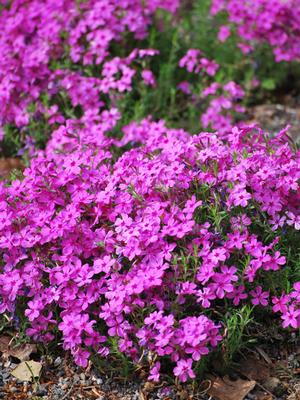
254,369
27,370
4,343
148,387
21,352
9,164
226,389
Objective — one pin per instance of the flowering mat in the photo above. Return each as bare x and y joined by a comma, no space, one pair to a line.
269,370
149,199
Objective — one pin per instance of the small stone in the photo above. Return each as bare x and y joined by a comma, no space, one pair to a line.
57,362
100,398
82,376
65,386
57,391
41,390
251,396
76,378
2,395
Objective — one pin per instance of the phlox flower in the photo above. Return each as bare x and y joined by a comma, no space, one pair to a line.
236,240
293,220
237,294
259,297
280,303
154,372
221,287
291,317
224,33
204,296
184,370
148,77
217,255
239,196
81,357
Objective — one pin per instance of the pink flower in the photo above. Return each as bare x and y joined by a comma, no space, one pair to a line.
293,220
81,357
280,304
236,240
204,296
184,87
148,77
224,33
154,372
240,196
184,370
237,295
217,255
291,317
259,297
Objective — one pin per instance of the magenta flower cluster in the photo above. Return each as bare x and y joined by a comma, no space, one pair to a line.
36,35
132,250
133,242
275,22
222,101
60,52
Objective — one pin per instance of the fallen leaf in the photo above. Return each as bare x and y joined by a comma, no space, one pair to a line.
254,369
27,370
8,164
4,343
21,352
226,389
148,387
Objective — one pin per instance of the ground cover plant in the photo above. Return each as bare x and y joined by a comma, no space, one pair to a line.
130,232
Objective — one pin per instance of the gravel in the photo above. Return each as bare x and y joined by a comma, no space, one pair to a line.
61,380
274,117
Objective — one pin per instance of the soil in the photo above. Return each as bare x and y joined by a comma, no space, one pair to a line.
266,371
273,117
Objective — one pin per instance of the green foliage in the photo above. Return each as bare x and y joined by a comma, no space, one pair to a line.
235,336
